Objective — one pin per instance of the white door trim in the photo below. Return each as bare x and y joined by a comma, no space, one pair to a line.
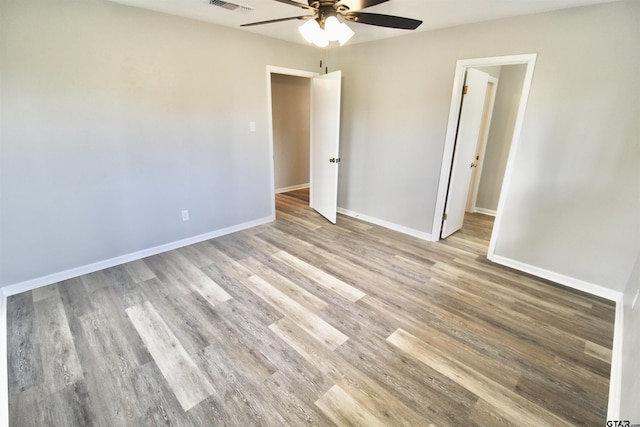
456,95
272,69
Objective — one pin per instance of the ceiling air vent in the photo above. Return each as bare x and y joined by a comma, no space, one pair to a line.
230,6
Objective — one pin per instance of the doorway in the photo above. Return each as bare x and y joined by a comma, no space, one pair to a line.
473,106
324,137
290,107
284,72
448,163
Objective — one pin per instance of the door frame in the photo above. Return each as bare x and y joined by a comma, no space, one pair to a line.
272,69
456,98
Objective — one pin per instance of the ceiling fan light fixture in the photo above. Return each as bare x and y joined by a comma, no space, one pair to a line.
309,30
323,26
321,39
333,30
345,34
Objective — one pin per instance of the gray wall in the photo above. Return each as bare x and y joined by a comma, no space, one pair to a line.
629,408
114,119
572,205
291,98
503,120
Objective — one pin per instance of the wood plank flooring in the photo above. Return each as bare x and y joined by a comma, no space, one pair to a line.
301,322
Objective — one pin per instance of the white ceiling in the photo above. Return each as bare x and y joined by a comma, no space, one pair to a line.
435,14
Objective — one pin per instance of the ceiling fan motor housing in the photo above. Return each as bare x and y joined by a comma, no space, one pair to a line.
325,12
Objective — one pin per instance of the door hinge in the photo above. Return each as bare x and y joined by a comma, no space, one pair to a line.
465,89
444,216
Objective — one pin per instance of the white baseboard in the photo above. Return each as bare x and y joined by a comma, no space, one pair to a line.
484,211
39,282
590,288
292,188
615,381
615,377
386,224
75,272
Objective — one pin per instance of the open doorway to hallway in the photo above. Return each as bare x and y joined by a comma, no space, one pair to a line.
290,101
489,144
455,176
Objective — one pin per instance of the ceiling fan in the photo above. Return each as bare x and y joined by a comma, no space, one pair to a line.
323,25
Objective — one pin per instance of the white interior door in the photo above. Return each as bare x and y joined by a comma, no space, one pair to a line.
481,147
325,144
469,124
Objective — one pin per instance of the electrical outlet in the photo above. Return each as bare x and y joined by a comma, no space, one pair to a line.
185,215
252,126
635,299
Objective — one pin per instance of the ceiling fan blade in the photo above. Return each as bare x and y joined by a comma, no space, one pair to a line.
295,3
382,20
354,5
271,21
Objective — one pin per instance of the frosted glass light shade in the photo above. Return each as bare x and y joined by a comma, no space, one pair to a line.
332,28
309,30
333,31
345,34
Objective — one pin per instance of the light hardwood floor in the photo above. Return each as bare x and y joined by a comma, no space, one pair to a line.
300,322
